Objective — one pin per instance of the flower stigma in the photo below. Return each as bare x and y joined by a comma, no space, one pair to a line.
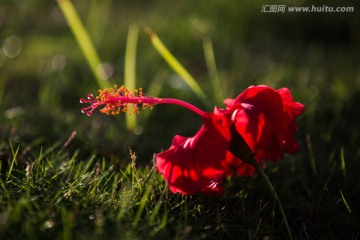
119,99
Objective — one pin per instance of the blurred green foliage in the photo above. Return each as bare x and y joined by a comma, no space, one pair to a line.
42,79
43,74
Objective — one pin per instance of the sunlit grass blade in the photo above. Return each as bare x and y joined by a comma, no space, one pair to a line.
217,86
345,202
154,214
83,39
12,162
342,158
130,69
142,203
177,66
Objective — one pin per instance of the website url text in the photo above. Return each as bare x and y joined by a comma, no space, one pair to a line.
307,9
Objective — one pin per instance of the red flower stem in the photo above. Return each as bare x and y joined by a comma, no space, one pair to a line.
181,103
151,100
253,162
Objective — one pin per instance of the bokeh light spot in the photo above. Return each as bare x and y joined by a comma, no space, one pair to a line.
12,46
58,62
106,70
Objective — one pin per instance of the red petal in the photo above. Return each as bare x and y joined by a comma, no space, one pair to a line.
295,107
266,120
258,121
229,102
197,164
291,111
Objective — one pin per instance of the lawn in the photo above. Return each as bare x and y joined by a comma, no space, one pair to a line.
65,175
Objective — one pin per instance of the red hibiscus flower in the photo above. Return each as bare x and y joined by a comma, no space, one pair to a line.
259,123
198,164
266,120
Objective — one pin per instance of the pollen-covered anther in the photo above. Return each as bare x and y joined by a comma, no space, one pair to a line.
118,99
146,105
136,110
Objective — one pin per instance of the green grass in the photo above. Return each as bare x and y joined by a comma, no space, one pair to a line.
57,192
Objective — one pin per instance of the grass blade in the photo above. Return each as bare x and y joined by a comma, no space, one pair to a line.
83,39
342,158
12,163
177,67
218,91
345,202
130,69
143,201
